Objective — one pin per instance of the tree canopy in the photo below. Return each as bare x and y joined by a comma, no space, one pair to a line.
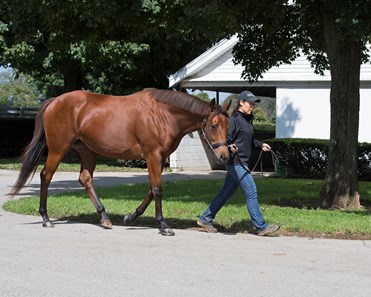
113,46
18,91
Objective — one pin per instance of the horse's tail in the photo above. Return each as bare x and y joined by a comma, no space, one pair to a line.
33,152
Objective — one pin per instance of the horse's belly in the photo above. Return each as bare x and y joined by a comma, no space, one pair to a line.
124,152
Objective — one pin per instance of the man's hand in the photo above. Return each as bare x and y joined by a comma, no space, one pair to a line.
266,147
233,148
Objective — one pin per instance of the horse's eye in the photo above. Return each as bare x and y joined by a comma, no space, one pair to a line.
213,127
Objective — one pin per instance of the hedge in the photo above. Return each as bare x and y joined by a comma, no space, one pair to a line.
309,157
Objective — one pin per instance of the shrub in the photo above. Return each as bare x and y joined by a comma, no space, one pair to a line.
264,127
309,157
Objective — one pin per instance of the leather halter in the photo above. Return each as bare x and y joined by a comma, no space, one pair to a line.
213,146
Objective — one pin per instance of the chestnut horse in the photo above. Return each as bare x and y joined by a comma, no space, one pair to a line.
145,125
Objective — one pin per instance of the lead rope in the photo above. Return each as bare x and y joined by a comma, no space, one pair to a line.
275,162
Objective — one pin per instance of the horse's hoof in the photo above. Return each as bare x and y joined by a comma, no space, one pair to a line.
48,224
127,219
167,232
106,224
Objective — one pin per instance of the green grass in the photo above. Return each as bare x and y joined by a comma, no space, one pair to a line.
102,165
288,202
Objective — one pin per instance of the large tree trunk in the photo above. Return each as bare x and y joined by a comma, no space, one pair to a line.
340,190
72,76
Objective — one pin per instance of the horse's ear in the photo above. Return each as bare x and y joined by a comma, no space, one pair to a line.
212,105
227,105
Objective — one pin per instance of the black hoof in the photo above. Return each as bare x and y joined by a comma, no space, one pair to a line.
48,224
167,232
127,219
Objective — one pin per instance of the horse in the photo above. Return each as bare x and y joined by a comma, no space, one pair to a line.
148,124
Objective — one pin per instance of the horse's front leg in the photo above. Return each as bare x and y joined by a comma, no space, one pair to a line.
157,192
164,228
155,164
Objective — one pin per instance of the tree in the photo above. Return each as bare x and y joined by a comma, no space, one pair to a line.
44,38
202,95
18,91
259,115
333,35
106,46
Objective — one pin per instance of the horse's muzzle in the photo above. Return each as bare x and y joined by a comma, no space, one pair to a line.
222,154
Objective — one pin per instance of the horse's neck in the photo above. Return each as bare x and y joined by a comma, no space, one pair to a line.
190,123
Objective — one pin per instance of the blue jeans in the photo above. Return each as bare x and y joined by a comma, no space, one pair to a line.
237,176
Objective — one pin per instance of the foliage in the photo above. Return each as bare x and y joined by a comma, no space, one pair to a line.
272,39
259,115
132,163
203,96
309,157
264,127
18,91
114,47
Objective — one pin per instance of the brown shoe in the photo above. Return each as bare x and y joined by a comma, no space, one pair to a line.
269,230
207,227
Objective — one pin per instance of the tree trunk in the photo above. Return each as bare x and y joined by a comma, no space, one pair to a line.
72,76
340,190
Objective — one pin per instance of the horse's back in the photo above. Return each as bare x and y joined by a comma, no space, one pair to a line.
106,124
82,105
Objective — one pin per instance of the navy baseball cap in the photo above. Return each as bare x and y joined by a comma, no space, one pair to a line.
248,96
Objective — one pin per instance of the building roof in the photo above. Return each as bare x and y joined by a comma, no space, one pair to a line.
214,70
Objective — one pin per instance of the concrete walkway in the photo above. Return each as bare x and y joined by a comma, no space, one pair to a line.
75,259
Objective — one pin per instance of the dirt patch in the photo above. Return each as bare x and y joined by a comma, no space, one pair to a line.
327,236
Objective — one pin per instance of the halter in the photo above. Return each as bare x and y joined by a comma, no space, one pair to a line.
213,146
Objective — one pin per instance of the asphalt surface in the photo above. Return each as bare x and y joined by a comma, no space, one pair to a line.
75,259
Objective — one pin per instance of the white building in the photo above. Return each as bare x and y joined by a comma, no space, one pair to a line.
302,97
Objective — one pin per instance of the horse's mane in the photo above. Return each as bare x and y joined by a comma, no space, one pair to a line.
181,100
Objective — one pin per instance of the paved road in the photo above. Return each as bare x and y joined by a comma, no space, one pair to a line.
75,259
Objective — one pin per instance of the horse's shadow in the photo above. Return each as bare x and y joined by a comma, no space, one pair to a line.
148,222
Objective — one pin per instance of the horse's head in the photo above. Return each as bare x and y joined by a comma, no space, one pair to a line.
214,130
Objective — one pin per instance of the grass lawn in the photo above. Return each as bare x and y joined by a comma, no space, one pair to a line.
103,164
288,202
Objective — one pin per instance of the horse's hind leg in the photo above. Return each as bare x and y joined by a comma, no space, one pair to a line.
131,217
88,163
46,175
